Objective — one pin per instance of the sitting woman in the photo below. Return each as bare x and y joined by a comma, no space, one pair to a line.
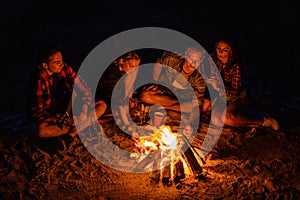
121,97
226,59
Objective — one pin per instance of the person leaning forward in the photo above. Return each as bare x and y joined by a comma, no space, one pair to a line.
185,75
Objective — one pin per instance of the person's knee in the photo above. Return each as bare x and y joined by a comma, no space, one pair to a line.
42,133
217,118
42,130
100,108
230,119
217,121
101,105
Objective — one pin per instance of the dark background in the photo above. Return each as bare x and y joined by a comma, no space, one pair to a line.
266,33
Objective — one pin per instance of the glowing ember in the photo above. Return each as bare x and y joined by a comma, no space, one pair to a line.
168,145
162,139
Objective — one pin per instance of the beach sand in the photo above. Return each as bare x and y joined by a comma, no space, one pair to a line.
245,163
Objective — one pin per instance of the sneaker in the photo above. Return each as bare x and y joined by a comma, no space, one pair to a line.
272,123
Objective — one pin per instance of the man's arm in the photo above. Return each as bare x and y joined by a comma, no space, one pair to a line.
156,71
199,87
41,100
80,86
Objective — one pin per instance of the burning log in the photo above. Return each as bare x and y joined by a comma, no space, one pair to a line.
192,162
172,160
167,164
178,171
188,145
156,173
166,174
151,157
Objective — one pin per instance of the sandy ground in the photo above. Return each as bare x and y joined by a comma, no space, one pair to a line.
245,163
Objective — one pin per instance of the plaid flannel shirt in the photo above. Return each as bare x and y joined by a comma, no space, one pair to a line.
44,102
196,80
232,77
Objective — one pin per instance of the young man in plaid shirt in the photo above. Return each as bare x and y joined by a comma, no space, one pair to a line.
52,93
180,74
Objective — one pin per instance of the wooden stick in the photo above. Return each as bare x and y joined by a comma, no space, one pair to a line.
153,156
193,149
178,171
192,161
166,174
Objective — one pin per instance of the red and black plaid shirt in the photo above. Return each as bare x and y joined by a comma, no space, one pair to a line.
45,102
232,78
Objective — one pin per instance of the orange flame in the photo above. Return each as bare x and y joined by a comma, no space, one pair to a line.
162,139
166,141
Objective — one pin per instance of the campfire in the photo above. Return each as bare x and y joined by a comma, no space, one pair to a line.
170,154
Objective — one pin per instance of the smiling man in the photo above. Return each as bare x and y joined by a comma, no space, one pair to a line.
52,93
177,73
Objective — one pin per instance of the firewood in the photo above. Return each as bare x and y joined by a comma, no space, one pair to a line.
156,173
153,156
166,174
191,161
178,171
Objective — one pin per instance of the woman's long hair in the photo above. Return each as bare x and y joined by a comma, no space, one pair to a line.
233,54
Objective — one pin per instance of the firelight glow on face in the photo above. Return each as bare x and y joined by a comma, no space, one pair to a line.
94,66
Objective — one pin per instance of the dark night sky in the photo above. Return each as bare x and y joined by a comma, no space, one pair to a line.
266,33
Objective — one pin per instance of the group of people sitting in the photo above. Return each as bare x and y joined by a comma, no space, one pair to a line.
181,82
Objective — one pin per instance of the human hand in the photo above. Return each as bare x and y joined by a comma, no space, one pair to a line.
70,122
212,81
62,120
84,114
151,88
